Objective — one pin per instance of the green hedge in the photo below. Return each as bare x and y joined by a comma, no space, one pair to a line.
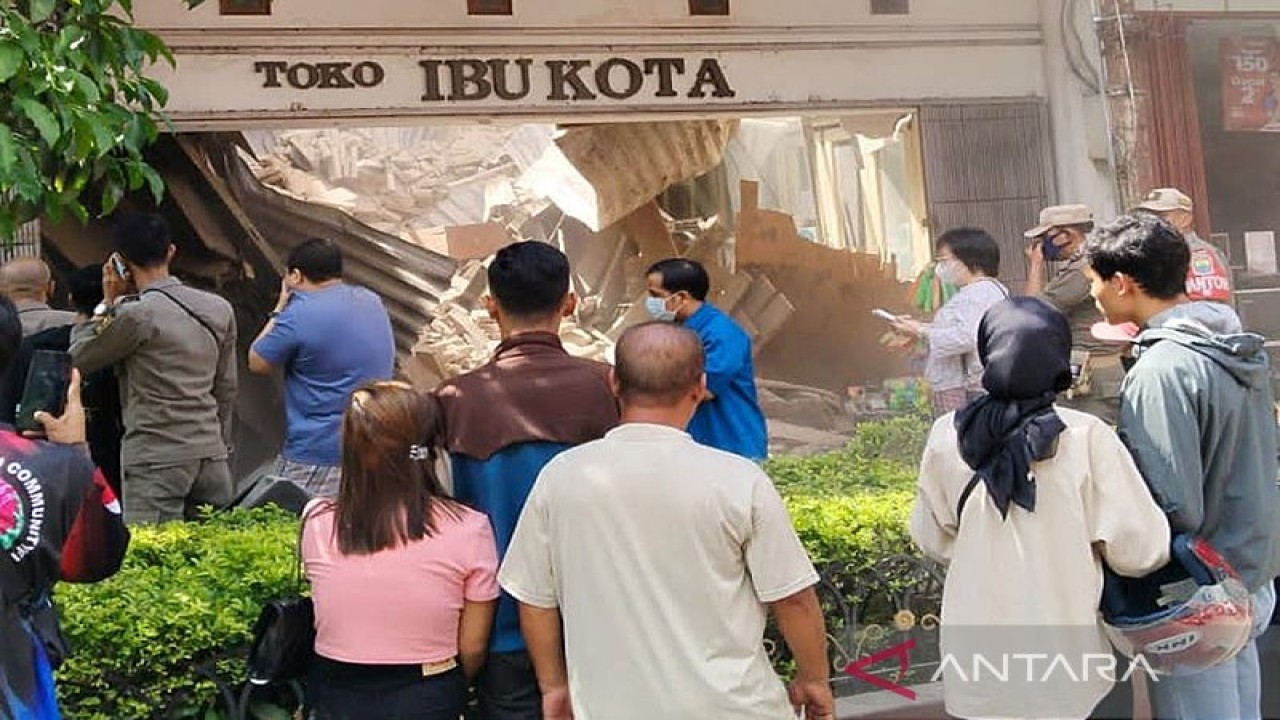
183,603
182,607
851,505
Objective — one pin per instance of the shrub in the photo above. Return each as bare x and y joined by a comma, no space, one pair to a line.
852,504
882,455
181,607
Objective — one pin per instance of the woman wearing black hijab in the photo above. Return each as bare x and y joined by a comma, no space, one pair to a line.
1045,494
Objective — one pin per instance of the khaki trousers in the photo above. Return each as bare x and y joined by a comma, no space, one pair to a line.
156,493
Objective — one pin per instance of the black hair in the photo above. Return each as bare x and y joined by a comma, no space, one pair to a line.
1144,247
529,279
85,288
317,259
142,238
974,247
680,274
10,334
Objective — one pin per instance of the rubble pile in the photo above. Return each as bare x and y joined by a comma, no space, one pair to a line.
462,336
408,182
466,192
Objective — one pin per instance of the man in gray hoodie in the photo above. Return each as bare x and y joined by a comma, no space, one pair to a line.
1197,412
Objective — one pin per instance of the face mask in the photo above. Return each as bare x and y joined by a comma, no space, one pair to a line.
657,308
947,271
1052,251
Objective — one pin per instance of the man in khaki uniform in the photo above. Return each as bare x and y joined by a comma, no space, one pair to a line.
28,283
1209,275
174,351
1060,236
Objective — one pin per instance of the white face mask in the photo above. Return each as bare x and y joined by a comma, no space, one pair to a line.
657,308
948,271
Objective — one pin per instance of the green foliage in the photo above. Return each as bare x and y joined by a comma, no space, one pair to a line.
882,455
79,108
185,600
858,529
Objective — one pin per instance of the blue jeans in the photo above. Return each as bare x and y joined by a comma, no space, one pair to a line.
1230,691
508,689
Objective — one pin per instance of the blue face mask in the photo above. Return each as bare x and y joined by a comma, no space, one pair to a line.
657,308
1052,251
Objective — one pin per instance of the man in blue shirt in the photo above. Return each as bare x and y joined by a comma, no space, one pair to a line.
506,420
330,338
730,418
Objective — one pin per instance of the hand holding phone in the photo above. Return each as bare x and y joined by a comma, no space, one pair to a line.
118,264
45,391
116,278
69,428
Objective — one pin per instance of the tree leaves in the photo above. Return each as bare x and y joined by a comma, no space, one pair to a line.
8,151
41,10
10,60
44,120
79,110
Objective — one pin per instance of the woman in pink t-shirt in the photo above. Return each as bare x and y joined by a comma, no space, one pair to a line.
403,577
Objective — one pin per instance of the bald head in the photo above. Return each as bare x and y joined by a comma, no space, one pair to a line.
26,278
658,364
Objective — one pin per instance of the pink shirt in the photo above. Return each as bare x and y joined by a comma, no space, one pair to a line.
400,606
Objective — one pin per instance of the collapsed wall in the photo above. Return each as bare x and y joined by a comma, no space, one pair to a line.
419,212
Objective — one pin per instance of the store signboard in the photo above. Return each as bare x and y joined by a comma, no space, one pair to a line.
1251,84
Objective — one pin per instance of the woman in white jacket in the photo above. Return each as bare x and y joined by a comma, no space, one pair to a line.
1025,501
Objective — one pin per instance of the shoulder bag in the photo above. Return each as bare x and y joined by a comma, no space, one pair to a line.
284,636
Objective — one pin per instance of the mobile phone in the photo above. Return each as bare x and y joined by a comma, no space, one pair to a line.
884,315
48,378
119,266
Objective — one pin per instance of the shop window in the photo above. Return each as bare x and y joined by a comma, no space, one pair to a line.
244,7
708,7
488,7
890,7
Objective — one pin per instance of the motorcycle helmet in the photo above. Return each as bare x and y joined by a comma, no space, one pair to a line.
1190,616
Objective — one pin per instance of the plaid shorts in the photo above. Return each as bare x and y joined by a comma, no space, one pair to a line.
318,480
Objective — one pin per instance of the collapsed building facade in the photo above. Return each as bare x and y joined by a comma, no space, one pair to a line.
807,155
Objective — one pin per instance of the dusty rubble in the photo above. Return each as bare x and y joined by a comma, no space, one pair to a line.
462,337
466,192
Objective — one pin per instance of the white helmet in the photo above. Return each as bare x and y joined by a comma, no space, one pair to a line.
1204,628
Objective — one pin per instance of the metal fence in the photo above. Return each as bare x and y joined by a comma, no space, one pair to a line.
882,617
26,243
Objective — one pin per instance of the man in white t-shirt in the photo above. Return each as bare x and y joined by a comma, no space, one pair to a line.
645,564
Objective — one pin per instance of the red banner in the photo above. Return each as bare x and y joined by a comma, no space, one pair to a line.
1251,84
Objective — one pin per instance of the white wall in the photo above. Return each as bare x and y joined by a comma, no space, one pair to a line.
810,55
779,56
572,14
1081,141
1207,6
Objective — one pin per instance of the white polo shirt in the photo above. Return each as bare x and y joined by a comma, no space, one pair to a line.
660,554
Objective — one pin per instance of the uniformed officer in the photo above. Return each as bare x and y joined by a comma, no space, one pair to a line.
173,348
29,284
1060,237
1209,275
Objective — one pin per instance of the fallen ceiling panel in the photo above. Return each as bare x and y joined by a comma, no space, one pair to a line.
630,164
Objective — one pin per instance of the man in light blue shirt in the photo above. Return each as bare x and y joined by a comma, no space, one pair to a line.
330,338
730,418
